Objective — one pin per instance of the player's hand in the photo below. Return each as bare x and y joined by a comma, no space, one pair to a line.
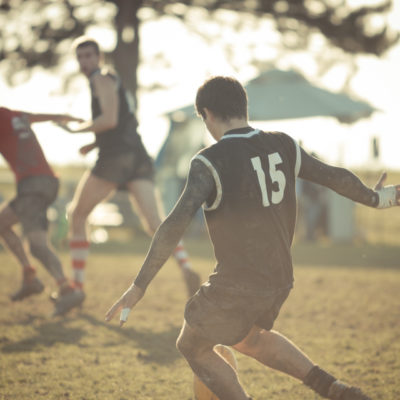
381,181
69,118
87,148
389,196
64,125
125,303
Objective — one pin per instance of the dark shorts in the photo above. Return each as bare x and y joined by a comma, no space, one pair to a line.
225,316
34,196
125,167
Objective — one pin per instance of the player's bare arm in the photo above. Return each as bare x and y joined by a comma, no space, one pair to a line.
347,184
87,148
106,91
60,118
198,189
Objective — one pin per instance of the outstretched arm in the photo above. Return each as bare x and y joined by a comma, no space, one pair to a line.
59,118
87,148
198,188
347,184
107,92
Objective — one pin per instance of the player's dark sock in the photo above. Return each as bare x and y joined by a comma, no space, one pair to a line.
319,380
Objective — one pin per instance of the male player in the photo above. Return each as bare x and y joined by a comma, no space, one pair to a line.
246,184
37,188
122,163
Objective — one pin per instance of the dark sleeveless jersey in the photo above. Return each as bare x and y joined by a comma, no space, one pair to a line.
124,137
251,216
20,147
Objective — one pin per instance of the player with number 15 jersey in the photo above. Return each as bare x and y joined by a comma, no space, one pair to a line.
255,198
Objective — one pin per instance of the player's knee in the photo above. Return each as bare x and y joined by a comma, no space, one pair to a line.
180,345
249,344
76,215
186,348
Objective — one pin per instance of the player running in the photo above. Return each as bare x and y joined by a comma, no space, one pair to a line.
246,184
37,188
122,163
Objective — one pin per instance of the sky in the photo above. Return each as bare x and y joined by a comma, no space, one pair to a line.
193,60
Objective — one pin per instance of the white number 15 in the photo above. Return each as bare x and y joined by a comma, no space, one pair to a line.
276,176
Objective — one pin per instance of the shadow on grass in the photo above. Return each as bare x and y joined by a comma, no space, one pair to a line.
48,334
155,347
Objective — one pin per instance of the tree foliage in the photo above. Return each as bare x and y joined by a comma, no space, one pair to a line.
39,33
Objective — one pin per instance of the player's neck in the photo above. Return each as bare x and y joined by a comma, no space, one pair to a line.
231,124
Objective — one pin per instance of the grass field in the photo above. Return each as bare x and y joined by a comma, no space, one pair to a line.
344,312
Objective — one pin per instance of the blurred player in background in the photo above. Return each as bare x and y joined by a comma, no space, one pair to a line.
123,163
246,184
37,188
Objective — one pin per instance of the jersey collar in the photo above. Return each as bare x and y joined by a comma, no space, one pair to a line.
246,131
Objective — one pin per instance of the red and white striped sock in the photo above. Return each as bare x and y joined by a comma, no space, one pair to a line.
79,250
181,256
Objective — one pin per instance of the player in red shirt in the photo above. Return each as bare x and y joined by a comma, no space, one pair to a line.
37,188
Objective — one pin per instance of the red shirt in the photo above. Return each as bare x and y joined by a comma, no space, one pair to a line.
19,146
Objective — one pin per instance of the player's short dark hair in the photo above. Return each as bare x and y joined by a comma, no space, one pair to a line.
224,96
85,41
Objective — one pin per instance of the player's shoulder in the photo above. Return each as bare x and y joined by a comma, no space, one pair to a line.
7,115
103,77
6,112
210,150
277,134
283,138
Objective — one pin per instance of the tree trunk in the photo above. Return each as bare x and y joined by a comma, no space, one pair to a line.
126,53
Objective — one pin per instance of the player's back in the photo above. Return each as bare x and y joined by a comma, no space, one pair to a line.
124,136
252,216
20,147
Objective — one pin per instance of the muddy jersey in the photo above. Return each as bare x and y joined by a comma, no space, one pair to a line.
251,216
124,137
20,147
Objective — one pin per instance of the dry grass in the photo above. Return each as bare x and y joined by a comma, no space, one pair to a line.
346,317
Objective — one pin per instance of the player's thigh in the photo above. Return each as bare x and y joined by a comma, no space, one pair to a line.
146,201
91,191
38,238
191,343
8,217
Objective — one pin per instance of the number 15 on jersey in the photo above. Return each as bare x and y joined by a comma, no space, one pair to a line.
276,175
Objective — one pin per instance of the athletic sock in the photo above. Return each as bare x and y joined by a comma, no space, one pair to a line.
79,250
337,389
181,256
319,380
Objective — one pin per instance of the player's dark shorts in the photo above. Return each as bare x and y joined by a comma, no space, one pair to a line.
34,196
125,167
225,316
